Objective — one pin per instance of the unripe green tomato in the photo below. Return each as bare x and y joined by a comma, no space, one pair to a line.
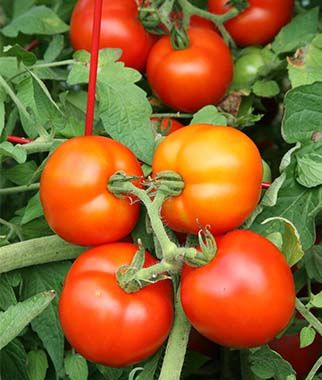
267,173
247,66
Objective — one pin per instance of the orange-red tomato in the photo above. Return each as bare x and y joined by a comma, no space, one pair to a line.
167,124
120,28
73,190
190,78
222,172
259,23
245,296
104,323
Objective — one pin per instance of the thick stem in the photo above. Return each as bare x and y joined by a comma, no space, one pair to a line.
41,146
177,115
177,344
314,369
37,251
19,189
313,321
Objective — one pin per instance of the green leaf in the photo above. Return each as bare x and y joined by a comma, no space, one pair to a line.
37,20
309,169
266,363
37,365
76,367
13,362
303,113
266,88
14,151
150,367
54,49
111,373
2,116
18,316
306,66
313,263
297,33
307,336
316,300
7,294
123,106
210,115
46,325
21,54
20,174
33,210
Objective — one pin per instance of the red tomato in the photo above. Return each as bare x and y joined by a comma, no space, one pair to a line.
191,78
301,359
104,323
259,23
222,172
73,190
120,28
200,22
245,296
167,124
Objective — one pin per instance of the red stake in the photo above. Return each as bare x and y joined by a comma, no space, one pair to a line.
32,45
93,67
18,140
266,185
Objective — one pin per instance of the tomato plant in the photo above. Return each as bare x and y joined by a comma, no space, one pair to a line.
166,125
222,172
259,23
73,190
247,274
190,78
247,66
120,29
101,321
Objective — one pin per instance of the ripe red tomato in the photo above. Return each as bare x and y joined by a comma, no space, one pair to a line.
167,124
222,171
259,23
104,323
245,296
120,28
74,195
191,78
301,359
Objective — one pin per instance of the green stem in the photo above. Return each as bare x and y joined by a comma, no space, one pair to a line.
19,189
314,369
41,146
37,251
53,64
177,115
13,229
219,20
313,321
177,344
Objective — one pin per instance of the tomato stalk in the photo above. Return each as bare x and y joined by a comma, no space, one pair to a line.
313,321
314,369
19,189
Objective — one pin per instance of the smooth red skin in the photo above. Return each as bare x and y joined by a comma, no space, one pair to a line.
168,124
74,195
191,78
120,28
244,297
301,359
259,23
200,22
222,172
104,323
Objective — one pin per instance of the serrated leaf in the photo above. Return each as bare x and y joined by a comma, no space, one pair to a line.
266,363
17,317
313,263
37,20
13,362
33,210
37,365
21,54
54,49
20,174
210,115
14,151
316,300
266,88
76,367
309,167
46,325
297,33
307,336
303,113
306,66
123,107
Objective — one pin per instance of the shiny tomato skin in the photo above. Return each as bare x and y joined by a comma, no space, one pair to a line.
104,323
120,28
245,296
167,124
301,359
222,172
190,78
259,23
73,191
